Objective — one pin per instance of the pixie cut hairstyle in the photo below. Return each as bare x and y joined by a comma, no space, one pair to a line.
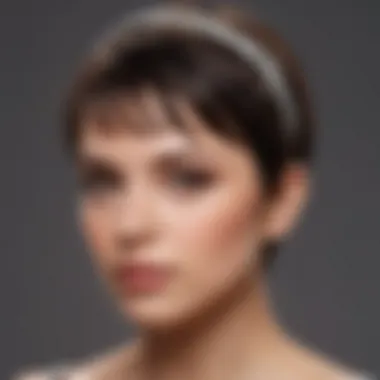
235,72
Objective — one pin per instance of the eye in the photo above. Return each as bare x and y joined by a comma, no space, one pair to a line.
190,179
98,181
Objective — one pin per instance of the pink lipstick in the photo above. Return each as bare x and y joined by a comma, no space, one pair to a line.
142,278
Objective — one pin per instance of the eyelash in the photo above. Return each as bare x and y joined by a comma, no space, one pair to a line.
191,179
92,183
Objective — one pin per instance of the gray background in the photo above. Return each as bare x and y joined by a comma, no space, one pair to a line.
326,281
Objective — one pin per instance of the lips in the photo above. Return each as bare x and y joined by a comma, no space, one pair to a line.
142,278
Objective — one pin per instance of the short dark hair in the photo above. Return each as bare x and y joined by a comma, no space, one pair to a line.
221,87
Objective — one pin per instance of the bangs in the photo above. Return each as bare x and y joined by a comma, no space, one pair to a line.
141,112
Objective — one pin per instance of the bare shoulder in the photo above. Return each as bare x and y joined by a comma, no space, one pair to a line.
319,366
99,366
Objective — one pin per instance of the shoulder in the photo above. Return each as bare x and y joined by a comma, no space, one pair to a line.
326,368
303,362
97,366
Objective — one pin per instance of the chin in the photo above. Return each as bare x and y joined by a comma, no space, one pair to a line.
156,313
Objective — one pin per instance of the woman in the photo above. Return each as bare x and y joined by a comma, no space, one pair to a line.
191,132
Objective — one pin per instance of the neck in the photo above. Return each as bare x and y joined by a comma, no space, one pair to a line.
236,332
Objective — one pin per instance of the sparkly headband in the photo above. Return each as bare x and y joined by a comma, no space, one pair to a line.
251,52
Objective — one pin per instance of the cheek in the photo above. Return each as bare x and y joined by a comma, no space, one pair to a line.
96,230
222,235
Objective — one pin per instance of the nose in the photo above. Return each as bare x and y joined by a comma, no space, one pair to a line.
136,219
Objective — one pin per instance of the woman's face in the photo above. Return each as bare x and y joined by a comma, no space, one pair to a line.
174,220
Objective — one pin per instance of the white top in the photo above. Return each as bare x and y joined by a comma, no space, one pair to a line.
78,373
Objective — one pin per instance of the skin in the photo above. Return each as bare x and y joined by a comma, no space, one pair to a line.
194,203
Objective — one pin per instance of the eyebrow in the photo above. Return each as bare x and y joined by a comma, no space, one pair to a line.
179,157
97,164
182,154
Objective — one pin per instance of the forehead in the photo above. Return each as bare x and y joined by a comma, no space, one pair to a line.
145,120
123,146
140,119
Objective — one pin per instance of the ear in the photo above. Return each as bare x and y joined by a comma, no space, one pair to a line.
288,203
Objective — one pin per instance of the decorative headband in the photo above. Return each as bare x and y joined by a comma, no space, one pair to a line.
251,52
